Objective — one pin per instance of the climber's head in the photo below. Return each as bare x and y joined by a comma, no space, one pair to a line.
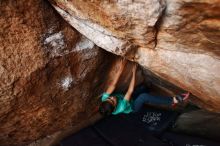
107,107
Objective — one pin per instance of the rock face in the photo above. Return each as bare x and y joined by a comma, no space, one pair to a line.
48,72
178,40
50,75
195,123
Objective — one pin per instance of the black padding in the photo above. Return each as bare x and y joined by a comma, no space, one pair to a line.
85,137
186,140
155,120
125,129
147,128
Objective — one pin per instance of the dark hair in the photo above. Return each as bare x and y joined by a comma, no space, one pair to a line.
106,108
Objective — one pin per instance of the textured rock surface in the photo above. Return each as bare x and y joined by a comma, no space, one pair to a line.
48,72
195,123
178,40
118,25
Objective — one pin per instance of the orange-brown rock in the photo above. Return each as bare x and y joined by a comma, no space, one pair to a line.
48,72
50,75
178,40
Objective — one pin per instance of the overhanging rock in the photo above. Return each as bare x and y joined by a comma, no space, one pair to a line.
178,40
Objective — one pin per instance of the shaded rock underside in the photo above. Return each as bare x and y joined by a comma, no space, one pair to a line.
176,40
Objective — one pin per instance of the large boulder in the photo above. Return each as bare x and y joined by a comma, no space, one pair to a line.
49,73
178,40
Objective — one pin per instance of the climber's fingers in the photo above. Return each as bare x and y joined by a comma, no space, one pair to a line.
134,68
123,61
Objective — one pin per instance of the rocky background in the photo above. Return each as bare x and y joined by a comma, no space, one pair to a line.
178,40
49,72
52,71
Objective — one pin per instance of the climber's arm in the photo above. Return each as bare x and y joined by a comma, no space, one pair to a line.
113,84
132,84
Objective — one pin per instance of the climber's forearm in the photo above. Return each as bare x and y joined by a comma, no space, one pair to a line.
113,84
131,87
116,77
110,89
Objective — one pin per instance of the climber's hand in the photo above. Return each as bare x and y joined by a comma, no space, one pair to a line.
134,68
121,65
132,83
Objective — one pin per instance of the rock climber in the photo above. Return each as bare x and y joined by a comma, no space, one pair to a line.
116,103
